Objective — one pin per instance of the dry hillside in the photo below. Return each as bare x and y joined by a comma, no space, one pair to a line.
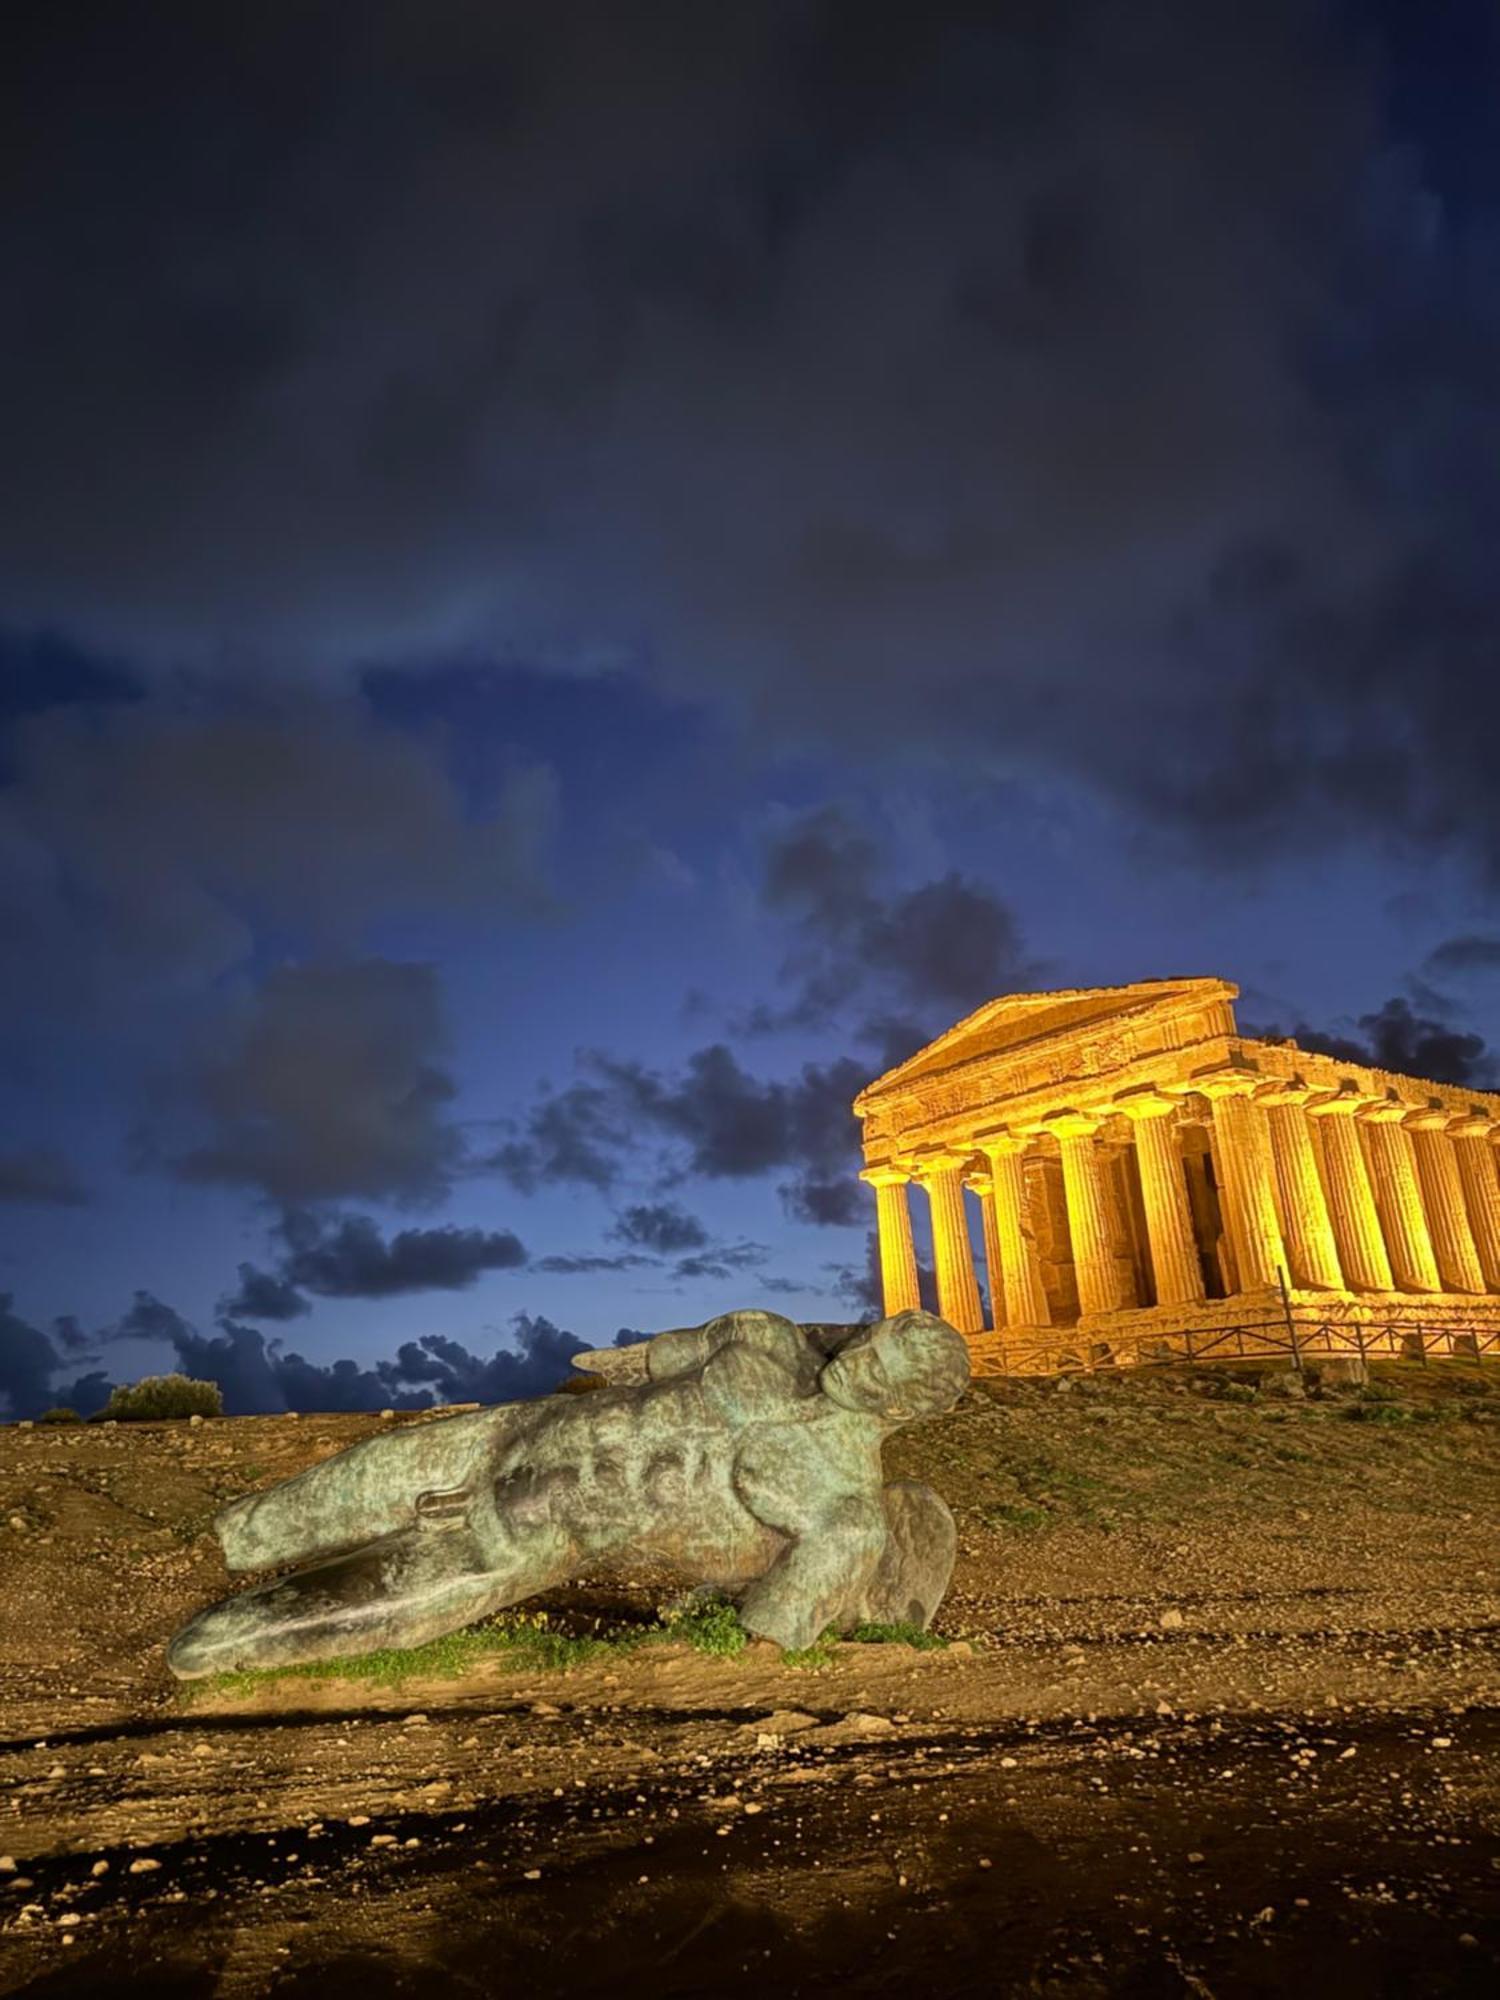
1219,1710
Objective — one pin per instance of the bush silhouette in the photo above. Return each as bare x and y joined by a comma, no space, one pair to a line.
157,1396
59,1414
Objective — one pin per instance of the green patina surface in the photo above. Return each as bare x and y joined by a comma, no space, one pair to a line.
741,1453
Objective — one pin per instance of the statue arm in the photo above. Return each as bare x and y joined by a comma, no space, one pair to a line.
686,1349
681,1352
827,1564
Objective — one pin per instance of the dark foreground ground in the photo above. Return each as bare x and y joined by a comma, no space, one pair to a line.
1222,1717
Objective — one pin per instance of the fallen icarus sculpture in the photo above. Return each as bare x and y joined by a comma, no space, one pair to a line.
740,1453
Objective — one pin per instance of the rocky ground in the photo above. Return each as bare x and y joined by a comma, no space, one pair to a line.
1220,1715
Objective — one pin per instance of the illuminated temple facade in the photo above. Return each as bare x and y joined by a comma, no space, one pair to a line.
1141,1171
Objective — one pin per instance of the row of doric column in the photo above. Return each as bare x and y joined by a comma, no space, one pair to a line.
1339,1190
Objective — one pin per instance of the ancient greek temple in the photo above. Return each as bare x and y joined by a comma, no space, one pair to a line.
1139,1169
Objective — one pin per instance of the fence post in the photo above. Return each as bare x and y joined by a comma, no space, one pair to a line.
1291,1324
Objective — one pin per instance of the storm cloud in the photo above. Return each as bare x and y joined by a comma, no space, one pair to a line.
894,963
347,1257
1395,1037
142,843
42,1176
998,372
660,1226
258,1377
325,1082
263,1295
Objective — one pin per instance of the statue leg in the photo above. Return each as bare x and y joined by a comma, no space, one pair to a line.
367,1492
401,1590
917,1562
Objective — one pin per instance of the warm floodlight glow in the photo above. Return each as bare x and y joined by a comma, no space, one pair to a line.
1147,1174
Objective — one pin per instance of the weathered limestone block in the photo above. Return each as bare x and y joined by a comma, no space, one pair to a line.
740,1452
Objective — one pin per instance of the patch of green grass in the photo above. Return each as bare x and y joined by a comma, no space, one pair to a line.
1378,1413
527,1639
522,1639
710,1625
899,1634
819,1654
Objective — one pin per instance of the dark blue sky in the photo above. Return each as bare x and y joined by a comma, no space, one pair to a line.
576,580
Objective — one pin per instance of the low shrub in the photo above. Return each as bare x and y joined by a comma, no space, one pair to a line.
60,1413
157,1396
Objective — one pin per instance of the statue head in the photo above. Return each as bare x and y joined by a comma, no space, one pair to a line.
913,1365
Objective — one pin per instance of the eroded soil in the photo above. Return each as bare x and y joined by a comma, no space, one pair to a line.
1221,1716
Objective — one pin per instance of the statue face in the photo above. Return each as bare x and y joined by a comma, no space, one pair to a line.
911,1366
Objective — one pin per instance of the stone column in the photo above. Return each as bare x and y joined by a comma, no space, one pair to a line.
1481,1186
1088,1224
1021,1281
983,1185
958,1293
1306,1225
1453,1244
1351,1201
1247,1174
1398,1197
898,1257
1175,1264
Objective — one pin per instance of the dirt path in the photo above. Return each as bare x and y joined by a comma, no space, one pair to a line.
706,1851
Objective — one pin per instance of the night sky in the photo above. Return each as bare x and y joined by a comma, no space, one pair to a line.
577,580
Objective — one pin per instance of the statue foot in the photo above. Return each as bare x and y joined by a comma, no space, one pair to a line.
403,1590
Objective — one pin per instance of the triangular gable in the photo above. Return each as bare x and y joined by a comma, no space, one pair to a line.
1018,1018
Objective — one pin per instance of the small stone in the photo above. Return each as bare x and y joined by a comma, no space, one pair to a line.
143,1865
1195,1859
533,1874
7,1864
71,1917
753,1806
100,1868
195,1420
359,1819
382,1840
386,1415
1442,1742
985,1861
1170,1620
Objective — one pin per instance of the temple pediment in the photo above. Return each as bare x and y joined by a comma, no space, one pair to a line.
1150,1014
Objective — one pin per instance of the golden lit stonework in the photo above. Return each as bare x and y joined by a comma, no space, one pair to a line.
1144,1174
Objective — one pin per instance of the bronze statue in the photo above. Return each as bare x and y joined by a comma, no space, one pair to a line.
740,1453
